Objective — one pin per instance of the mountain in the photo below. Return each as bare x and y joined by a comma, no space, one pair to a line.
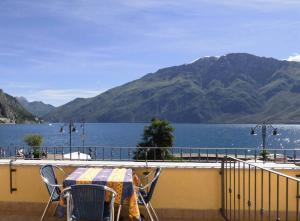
235,88
11,111
37,108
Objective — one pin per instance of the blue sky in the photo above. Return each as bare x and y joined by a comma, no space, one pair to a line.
57,50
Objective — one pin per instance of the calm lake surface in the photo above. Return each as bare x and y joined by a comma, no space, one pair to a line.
129,134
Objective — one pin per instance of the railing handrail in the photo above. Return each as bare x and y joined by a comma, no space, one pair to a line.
263,168
253,192
174,154
177,147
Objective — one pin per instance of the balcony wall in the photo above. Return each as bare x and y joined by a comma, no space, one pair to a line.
185,191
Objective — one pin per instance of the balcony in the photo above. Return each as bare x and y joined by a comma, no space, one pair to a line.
215,186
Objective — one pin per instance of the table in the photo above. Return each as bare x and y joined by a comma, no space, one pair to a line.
119,179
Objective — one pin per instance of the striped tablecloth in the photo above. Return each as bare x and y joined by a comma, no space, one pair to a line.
119,179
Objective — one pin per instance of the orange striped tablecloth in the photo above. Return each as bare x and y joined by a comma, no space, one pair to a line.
119,179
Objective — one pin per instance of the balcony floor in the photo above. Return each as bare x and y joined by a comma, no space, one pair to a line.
33,212
37,218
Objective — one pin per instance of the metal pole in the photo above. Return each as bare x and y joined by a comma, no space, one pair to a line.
70,134
83,135
264,135
147,158
222,188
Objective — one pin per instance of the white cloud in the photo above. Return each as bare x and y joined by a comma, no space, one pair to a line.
195,3
59,97
295,57
13,85
259,2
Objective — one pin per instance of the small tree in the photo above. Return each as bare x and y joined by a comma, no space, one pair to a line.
264,154
34,141
158,134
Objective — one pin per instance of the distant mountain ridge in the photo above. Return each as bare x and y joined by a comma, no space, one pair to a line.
235,88
37,108
11,111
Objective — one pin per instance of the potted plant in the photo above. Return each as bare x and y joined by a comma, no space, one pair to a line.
264,154
34,141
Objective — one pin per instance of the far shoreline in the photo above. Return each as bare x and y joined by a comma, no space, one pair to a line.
180,123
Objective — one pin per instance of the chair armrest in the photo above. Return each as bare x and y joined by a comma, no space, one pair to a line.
146,176
144,187
65,192
62,172
60,169
51,184
150,183
114,193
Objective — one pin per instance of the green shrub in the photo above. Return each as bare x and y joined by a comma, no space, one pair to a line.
35,141
264,154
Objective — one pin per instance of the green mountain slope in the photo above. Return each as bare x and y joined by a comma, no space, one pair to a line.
37,108
229,89
11,111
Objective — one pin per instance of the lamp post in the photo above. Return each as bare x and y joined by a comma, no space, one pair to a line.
72,128
264,127
83,134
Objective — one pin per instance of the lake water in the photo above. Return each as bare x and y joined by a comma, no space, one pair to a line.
129,134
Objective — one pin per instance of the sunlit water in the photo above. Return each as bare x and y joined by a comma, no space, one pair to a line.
129,134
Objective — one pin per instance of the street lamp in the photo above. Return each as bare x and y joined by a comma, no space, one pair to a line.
72,128
264,127
83,134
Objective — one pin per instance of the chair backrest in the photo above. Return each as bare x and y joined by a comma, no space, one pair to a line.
153,184
49,178
88,201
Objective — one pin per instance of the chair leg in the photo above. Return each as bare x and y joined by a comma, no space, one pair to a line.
119,212
47,206
149,212
153,211
147,208
69,218
55,208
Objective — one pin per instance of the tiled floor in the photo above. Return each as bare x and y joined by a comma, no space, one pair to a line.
33,212
22,218
37,218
